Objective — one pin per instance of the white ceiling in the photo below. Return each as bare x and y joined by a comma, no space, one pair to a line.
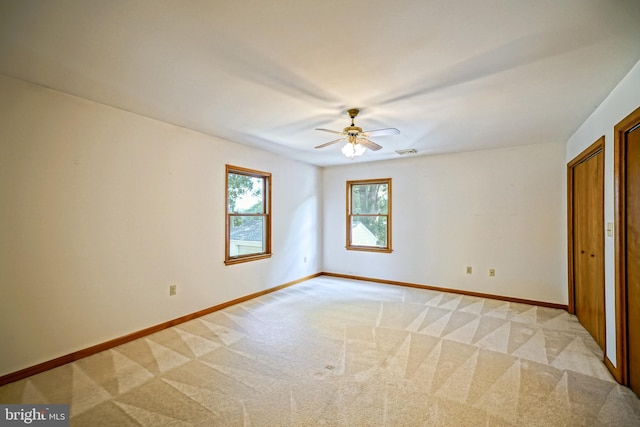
451,75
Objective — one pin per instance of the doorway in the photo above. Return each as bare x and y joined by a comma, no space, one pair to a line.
627,248
585,184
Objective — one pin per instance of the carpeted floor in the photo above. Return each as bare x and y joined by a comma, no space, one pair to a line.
347,353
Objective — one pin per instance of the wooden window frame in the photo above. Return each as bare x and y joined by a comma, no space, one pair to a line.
349,214
266,191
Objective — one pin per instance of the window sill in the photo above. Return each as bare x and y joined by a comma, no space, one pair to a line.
232,261
369,249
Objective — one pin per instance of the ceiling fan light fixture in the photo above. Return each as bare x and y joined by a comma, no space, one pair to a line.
352,150
357,140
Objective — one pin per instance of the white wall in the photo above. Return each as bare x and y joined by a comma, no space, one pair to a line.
501,209
623,100
102,209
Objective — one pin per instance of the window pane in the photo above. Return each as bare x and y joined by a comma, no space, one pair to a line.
247,235
369,199
369,231
245,194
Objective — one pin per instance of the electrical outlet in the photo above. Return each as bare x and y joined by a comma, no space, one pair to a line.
492,272
469,269
172,290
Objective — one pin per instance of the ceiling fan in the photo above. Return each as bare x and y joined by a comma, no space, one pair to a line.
357,139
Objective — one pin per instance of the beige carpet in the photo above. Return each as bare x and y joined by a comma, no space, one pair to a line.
347,353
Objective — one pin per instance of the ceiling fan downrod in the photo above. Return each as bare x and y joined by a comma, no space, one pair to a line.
353,113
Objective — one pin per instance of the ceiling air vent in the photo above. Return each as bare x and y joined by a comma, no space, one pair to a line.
407,151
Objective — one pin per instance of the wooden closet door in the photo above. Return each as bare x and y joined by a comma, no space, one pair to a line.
632,217
588,245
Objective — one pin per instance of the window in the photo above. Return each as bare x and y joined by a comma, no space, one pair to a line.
248,216
369,215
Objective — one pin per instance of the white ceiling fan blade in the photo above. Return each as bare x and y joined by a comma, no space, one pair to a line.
330,142
381,132
330,131
369,144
